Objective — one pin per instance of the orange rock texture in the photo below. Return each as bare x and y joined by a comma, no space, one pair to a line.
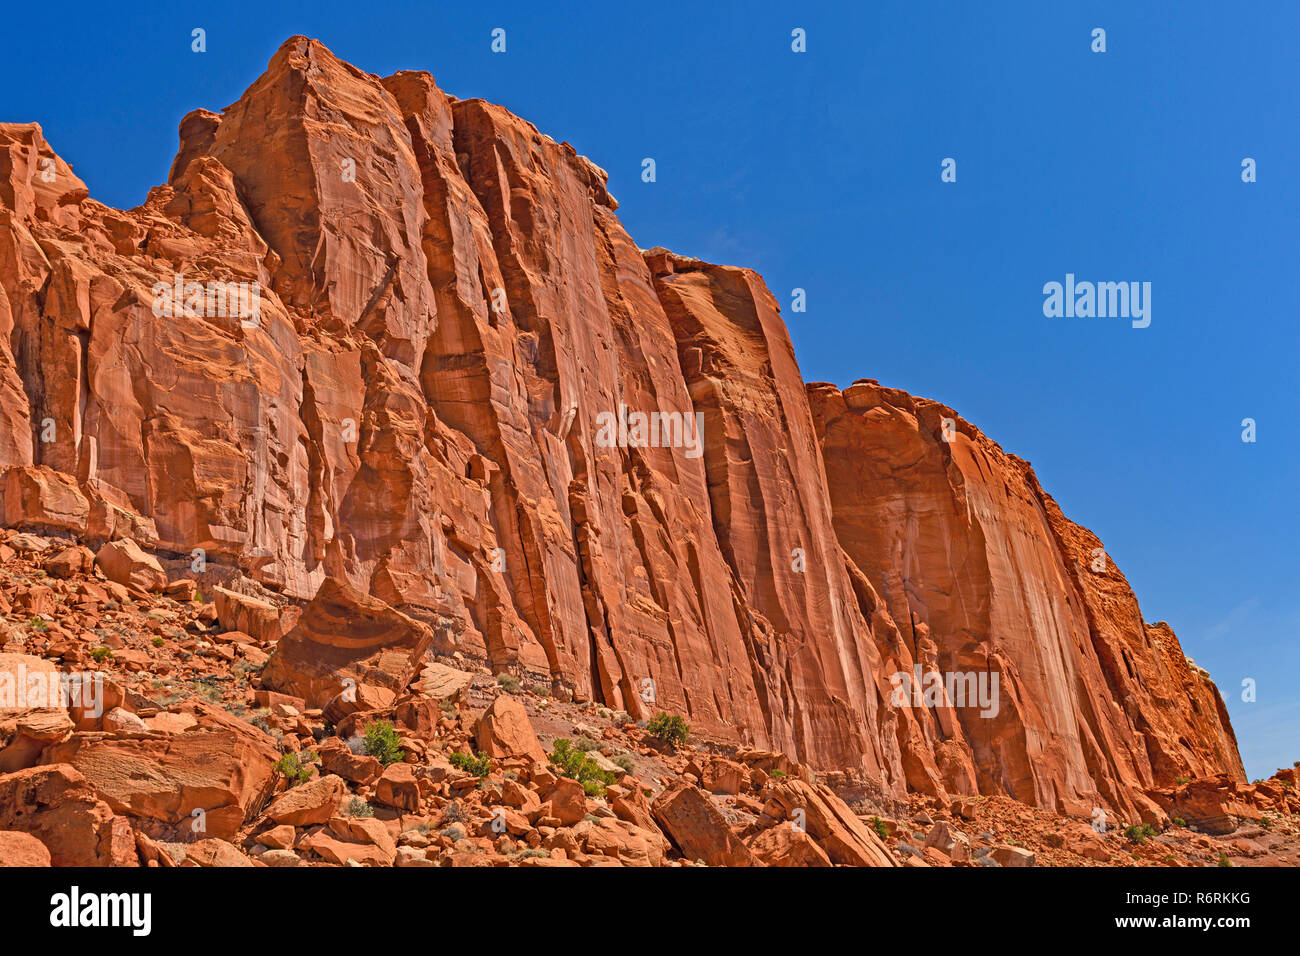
369,337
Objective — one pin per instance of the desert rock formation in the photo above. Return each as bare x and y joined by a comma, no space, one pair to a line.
408,422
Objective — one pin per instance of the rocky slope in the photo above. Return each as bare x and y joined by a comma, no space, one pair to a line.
411,428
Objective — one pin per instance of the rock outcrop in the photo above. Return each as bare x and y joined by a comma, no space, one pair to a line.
390,357
986,576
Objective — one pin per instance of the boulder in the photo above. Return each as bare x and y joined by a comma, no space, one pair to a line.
223,768
40,497
312,802
22,849
258,619
504,730
697,828
57,805
397,788
829,821
124,562
787,845
214,852
345,638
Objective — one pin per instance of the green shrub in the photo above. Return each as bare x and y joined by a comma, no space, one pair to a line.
575,764
878,825
157,642
295,768
1180,780
584,743
479,766
36,623
100,654
508,683
672,729
381,742
1140,833
778,774
1180,822
1223,860
624,762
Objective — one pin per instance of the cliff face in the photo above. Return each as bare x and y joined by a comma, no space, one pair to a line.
450,316
984,573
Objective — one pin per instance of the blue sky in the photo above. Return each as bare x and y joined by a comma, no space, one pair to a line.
822,171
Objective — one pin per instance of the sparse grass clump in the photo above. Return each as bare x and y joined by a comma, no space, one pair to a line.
36,623
381,742
1223,860
100,654
624,762
358,808
672,729
508,683
529,854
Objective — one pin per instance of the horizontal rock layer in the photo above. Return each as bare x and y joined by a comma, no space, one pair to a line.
414,364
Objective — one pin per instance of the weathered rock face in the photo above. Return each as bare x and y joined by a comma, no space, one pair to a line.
984,575
394,352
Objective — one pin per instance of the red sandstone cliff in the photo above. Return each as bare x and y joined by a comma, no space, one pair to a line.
448,305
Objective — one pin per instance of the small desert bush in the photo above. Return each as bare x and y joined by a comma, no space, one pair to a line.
573,763
295,768
381,742
1139,833
672,729
479,766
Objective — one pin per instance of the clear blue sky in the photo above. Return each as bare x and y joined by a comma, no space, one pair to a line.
821,170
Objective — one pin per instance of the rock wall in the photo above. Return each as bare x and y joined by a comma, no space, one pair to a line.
449,316
984,574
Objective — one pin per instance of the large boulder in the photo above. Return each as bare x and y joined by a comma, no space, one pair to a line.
829,821
1215,805
223,768
58,806
126,563
258,619
698,828
787,845
40,497
343,639
504,730
626,842
22,849
32,715
313,802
